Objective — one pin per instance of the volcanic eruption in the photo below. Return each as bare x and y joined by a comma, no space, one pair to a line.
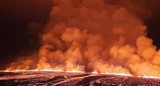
96,36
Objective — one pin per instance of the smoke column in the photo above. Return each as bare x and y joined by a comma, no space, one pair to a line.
95,35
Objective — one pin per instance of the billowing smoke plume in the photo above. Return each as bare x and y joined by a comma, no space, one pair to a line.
96,35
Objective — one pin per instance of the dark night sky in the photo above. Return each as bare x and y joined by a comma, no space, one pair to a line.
15,15
153,23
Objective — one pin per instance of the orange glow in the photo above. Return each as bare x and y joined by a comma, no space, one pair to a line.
121,74
92,35
74,71
154,77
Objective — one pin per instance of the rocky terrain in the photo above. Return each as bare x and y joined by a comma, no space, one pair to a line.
50,78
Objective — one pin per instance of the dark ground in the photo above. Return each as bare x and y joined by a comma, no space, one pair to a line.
48,78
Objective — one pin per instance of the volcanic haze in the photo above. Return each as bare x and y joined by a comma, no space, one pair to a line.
94,36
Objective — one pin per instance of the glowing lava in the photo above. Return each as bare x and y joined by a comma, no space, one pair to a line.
75,71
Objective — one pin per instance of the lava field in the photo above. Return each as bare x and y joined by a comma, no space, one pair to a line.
50,78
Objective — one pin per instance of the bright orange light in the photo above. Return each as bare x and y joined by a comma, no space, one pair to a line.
154,77
75,71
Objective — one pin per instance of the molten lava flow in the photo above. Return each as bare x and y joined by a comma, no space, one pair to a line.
75,71
94,35
154,77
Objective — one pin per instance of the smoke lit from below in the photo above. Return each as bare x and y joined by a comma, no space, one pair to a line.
93,36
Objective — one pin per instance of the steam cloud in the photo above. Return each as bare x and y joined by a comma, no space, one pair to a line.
95,35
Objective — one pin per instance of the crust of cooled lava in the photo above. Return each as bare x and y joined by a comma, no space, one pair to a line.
46,78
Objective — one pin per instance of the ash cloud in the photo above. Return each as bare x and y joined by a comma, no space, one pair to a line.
96,35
